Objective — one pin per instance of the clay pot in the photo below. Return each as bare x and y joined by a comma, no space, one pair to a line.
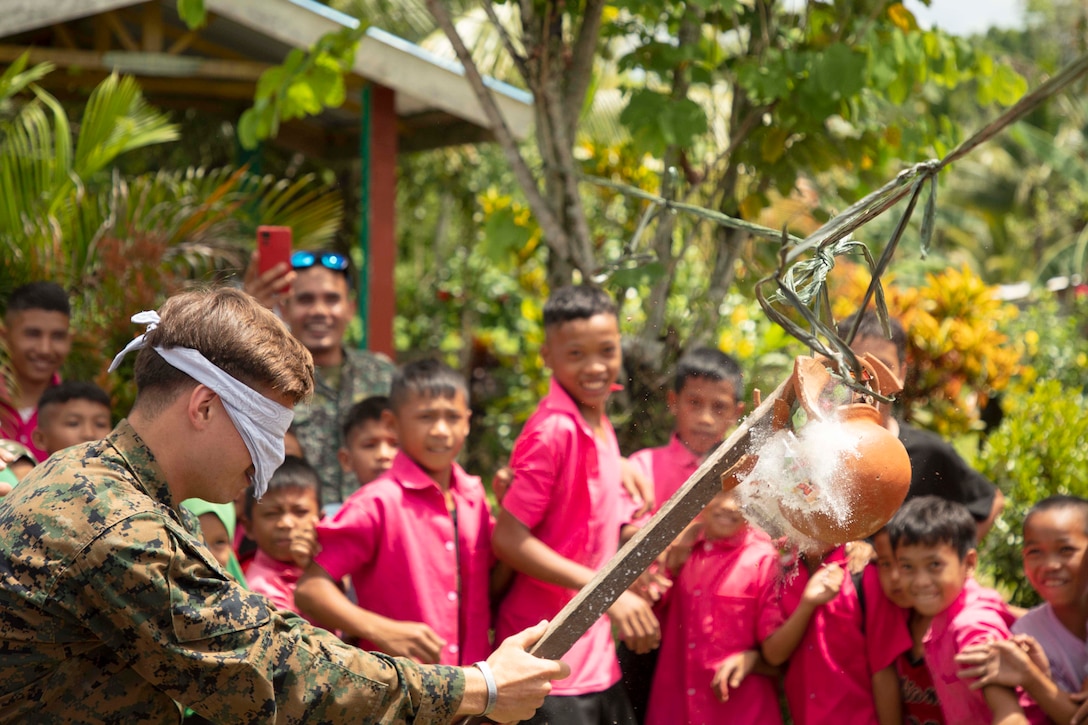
874,482
873,479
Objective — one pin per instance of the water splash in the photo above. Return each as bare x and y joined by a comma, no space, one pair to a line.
803,474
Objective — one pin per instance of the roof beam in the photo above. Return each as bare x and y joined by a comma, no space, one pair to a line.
22,15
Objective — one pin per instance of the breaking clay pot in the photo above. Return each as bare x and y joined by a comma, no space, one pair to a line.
874,481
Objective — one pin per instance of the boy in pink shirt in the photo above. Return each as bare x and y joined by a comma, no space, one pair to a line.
282,524
934,541
717,612
561,517
823,636
705,400
416,540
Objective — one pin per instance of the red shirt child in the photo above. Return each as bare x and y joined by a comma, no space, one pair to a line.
719,609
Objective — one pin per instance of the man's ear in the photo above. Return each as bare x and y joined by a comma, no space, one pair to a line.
201,406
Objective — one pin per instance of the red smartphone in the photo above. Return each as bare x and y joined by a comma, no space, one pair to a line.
273,247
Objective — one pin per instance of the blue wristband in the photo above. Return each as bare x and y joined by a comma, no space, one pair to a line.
492,688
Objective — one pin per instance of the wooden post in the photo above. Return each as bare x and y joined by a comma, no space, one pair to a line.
637,554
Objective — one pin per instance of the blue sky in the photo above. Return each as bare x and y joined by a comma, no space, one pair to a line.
964,17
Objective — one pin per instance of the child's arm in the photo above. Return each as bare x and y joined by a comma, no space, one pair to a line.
515,544
1004,705
1009,663
888,698
821,589
319,598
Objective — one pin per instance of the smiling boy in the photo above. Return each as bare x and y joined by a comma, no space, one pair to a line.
35,331
560,520
416,541
934,541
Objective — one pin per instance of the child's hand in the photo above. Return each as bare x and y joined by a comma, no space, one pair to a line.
1002,662
636,623
1081,697
1034,651
651,584
500,484
858,555
638,488
824,585
732,672
304,545
414,640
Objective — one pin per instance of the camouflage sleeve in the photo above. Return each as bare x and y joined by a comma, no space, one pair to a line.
151,593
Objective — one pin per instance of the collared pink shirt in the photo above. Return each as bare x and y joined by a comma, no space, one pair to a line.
409,561
887,625
14,428
723,602
976,614
567,491
668,467
828,678
274,579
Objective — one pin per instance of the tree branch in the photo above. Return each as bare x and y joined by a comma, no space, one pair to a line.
547,220
507,41
580,69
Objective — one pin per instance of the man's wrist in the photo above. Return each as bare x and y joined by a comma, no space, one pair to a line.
492,688
475,698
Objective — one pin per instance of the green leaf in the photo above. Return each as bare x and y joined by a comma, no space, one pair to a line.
503,236
643,275
192,13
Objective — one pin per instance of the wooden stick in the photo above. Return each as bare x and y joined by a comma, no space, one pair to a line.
639,552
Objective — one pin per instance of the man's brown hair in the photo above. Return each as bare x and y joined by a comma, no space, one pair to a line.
236,334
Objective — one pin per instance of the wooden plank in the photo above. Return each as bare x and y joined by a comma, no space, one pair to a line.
64,36
151,33
636,555
142,64
120,31
22,15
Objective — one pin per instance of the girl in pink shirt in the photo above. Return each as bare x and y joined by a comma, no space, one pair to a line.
719,609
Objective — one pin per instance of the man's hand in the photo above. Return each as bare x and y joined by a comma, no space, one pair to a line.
272,286
824,585
522,680
635,622
732,672
414,640
638,487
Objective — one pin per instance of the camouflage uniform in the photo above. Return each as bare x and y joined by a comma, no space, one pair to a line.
317,424
112,610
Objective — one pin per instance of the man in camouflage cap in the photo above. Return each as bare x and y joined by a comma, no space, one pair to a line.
112,609
317,303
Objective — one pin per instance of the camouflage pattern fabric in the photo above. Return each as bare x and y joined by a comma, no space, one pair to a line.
317,423
113,611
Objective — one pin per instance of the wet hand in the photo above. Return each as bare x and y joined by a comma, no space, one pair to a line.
824,585
635,622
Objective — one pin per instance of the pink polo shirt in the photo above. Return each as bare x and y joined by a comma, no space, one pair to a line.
668,467
977,614
274,579
828,679
411,560
887,625
14,427
567,490
723,602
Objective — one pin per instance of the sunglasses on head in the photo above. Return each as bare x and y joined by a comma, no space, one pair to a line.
328,260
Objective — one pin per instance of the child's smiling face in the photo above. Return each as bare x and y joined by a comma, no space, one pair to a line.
933,574
888,570
1054,546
